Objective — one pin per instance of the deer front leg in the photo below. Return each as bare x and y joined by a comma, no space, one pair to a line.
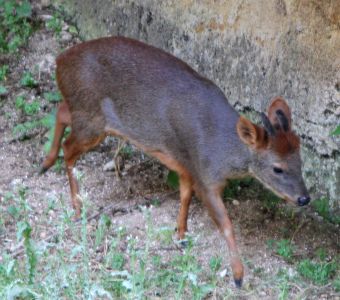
212,199
186,190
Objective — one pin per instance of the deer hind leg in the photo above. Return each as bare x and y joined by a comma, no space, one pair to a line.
73,149
63,119
212,199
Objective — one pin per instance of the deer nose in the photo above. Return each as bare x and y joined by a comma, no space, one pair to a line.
304,200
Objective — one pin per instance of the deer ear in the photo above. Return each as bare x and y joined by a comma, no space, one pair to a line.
247,132
279,114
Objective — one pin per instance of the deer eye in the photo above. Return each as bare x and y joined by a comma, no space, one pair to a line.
277,170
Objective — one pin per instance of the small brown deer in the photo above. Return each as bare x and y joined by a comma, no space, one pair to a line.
122,87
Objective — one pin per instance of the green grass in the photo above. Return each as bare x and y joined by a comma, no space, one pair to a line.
319,273
55,24
282,247
58,270
318,270
321,206
110,262
336,131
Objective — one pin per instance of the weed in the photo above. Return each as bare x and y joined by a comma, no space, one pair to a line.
73,29
24,128
322,208
336,131
285,249
3,90
283,284
52,97
55,24
336,284
27,108
164,235
215,263
15,25
282,247
127,151
318,273
103,225
321,254
27,80
24,232
3,72
172,180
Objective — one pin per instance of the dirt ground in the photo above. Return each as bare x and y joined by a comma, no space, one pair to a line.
143,180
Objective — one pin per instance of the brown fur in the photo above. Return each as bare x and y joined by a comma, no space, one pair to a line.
285,143
276,104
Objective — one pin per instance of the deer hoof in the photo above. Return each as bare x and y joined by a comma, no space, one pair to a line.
42,170
238,282
183,243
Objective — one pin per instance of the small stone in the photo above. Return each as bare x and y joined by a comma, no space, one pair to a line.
47,63
128,166
65,27
223,273
46,17
66,36
262,293
45,3
43,234
110,166
236,202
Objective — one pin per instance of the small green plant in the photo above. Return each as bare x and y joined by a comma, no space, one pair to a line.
3,72
24,232
321,206
282,247
24,128
15,26
319,273
3,90
27,80
127,151
27,108
283,284
336,131
336,284
55,24
17,206
172,180
164,234
103,225
52,97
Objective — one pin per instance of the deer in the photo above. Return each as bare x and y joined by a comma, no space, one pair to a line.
123,87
